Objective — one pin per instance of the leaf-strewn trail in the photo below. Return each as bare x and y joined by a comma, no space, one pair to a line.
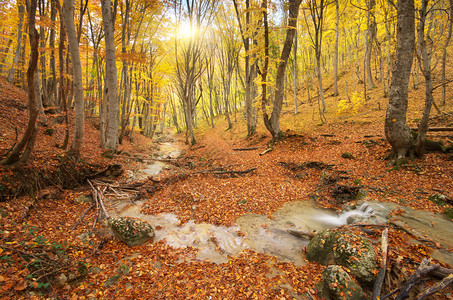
42,255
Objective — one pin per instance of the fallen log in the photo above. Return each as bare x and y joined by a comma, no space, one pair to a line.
438,286
403,226
436,129
424,269
381,275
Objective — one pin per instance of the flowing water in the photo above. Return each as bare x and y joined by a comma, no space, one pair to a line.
251,231
270,235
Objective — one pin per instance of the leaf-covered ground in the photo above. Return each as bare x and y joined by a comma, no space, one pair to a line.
41,256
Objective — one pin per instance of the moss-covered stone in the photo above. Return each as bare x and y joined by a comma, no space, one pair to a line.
340,285
341,247
347,155
131,231
448,213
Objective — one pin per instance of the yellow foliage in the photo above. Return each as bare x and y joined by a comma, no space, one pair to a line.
353,106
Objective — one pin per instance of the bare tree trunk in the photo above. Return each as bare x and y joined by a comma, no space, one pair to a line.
273,123
295,74
12,70
53,82
68,15
337,34
111,79
250,70
396,130
371,36
444,54
4,54
425,66
28,140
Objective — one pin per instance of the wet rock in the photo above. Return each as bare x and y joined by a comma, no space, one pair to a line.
340,285
61,280
84,199
341,247
131,231
345,193
439,199
361,194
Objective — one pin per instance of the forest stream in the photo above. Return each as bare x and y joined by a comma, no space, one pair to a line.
270,235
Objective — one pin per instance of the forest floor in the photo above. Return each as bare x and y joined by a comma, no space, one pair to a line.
45,252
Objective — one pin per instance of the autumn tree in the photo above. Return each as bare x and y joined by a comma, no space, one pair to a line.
397,131
111,99
73,42
12,70
316,19
189,56
228,58
272,123
23,149
248,30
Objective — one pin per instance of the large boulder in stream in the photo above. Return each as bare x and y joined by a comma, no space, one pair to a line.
339,285
131,231
341,247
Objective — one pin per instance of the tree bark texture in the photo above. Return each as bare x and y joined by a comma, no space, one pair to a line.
28,140
68,15
273,123
12,70
111,80
396,130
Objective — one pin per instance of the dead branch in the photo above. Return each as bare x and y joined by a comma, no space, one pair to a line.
82,216
246,149
381,275
424,269
98,198
266,151
233,173
403,226
302,233
438,286
436,129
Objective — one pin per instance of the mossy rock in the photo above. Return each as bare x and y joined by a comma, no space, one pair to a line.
342,247
131,231
340,285
448,213
438,199
347,155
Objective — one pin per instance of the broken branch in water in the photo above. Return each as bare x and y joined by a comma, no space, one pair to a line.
302,233
381,275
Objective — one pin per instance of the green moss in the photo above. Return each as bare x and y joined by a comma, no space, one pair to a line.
448,213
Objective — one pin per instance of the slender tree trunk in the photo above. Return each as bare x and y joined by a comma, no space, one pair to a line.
295,74
111,79
273,123
337,34
444,54
26,144
426,70
396,130
68,15
371,36
11,72
53,82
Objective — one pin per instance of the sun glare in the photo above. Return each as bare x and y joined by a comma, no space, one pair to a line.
186,31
